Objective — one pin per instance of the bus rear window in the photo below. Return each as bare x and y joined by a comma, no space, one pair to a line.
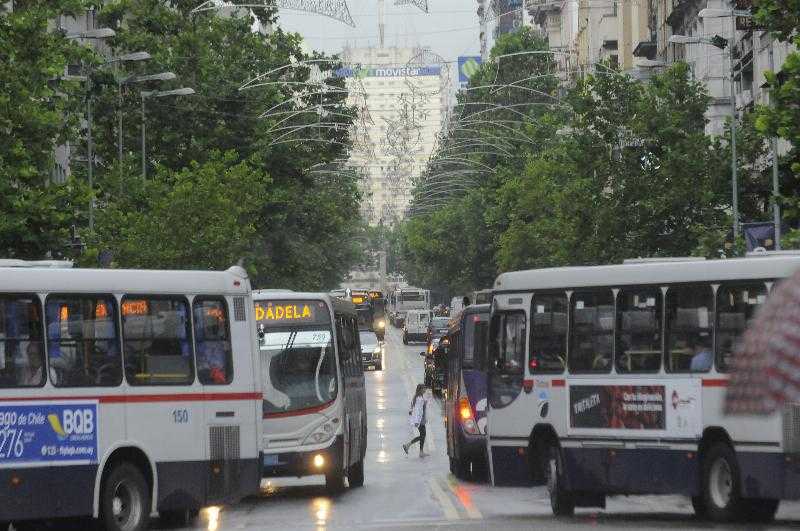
21,348
212,342
475,333
411,297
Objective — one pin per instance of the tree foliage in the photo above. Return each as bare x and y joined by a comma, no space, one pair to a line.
608,169
37,113
288,226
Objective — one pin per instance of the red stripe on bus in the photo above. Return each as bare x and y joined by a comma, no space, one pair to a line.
715,382
297,412
559,383
133,399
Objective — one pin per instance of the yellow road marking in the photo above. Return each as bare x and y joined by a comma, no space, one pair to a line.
464,497
450,511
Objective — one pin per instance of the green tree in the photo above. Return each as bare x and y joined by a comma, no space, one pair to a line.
305,223
36,114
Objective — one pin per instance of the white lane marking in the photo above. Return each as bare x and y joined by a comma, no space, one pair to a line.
464,497
450,511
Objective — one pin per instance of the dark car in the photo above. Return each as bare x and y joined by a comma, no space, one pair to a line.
437,328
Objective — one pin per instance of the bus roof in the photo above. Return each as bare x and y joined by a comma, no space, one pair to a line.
144,281
667,272
455,321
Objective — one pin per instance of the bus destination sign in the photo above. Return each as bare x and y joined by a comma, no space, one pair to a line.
277,313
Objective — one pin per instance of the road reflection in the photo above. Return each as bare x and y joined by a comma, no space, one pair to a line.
211,515
320,508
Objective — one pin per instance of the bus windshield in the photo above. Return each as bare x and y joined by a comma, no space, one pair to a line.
298,369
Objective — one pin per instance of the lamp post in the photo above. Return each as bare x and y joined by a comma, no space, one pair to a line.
733,14
162,76
136,56
721,43
184,91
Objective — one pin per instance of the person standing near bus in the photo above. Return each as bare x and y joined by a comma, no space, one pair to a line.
417,418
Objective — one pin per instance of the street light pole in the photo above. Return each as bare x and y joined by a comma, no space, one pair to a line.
734,177
776,208
90,155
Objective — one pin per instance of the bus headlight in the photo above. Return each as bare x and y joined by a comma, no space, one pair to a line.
324,432
381,324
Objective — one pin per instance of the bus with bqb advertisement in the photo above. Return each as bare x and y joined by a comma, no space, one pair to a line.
610,380
314,407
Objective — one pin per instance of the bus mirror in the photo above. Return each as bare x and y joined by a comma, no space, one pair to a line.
423,354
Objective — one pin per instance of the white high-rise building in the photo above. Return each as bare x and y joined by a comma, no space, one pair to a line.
402,102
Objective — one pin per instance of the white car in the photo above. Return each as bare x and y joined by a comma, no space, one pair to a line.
371,350
416,325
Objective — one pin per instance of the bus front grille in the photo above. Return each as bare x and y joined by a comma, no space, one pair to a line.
791,428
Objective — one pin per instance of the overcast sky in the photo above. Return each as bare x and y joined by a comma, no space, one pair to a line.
450,28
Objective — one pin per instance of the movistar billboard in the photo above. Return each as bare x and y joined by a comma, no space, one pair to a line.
389,71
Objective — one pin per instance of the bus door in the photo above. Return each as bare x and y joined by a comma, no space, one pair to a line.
229,424
508,426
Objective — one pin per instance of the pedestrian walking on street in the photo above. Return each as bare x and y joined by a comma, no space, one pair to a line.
417,418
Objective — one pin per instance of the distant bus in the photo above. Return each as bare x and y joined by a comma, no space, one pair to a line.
465,405
126,392
610,380
314,408
404,299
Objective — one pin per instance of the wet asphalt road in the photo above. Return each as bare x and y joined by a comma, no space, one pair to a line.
409,492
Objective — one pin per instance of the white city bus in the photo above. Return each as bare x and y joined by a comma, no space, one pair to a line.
610,380
125,392
402,300
314,410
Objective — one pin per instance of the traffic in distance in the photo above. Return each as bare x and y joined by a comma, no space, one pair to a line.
129,394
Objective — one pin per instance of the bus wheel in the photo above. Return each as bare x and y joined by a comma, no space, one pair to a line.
561,501
125,502
334,481
759,510
355,474
460,468
721,483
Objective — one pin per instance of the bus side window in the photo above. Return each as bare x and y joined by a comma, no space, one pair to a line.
157,338
639,330
592,331
355,351
82,340
690,321
548,334
212,341
736,305
21,347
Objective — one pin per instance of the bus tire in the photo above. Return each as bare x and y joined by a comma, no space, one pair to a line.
334,481
759,510
721,485
125,499
460,468
562,502
355,474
